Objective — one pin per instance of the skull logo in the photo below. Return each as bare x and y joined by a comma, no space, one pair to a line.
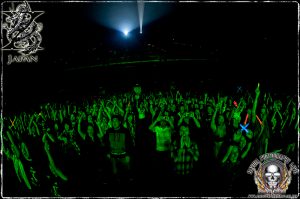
273,176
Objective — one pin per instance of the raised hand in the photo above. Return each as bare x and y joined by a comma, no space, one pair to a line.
257,91
182,143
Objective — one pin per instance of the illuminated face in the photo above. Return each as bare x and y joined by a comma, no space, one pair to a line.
221,120
209,110
56,127
73,124
163,123
90,119
136,88
277,105
181,109
173,108
90,130
263,113
166,113
234,155
227,114
120,103
294,113
116,123
249,112
83,116
169,107
141,104
72,117
186,106
243,142
201,105
236,120
33,129
110,106
163,107
67,127
130,118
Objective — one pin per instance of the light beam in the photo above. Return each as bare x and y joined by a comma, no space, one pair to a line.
140,4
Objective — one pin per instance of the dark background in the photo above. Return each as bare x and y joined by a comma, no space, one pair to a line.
238,44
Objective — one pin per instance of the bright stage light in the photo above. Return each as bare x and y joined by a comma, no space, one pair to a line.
126,32
123,15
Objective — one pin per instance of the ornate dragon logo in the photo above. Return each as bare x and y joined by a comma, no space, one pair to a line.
22,31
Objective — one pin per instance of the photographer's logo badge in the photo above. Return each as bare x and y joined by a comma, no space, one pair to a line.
23,33
271,173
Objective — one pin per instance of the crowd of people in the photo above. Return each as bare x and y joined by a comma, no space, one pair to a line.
145,138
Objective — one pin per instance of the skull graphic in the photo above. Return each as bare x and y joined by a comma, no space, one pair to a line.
272,176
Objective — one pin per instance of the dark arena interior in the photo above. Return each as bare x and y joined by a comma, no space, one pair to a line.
158,99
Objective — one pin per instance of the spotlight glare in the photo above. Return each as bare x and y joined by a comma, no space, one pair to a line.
125,32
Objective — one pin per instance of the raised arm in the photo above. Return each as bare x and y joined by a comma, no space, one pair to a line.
257,92
32,122
180,120
194,151
152,126
152,109
266,145
213,125
245,153
53,114
99,113
227,154
16,150
98,123
82,135
197,123
22,123
116,106
127,110
107,110
170,121
61,118
52,166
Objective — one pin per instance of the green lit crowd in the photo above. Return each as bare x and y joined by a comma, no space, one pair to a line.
56,149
